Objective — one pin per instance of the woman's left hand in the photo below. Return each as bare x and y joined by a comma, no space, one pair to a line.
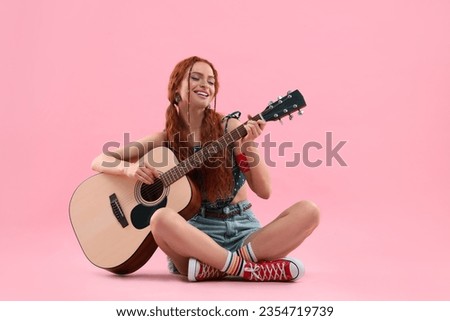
254,129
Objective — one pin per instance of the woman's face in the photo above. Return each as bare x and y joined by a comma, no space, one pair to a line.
202,89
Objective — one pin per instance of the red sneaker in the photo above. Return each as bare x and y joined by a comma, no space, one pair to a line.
198,271
285,269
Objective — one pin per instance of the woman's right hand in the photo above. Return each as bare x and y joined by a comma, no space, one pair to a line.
142,172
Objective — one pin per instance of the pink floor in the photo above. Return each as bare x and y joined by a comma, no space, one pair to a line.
346,259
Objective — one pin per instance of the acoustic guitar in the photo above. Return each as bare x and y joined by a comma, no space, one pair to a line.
110,214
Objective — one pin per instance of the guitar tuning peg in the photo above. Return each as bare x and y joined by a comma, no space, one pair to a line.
300,112
289,92
279,97
270,103
281,122
290,116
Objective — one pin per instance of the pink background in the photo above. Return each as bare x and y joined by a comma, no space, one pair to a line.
76,74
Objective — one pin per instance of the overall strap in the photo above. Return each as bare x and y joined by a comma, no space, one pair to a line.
235,115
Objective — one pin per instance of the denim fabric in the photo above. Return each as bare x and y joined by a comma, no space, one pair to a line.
230,233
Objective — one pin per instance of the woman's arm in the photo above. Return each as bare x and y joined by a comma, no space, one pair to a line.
257,175
124,160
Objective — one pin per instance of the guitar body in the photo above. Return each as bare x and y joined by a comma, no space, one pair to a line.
110,214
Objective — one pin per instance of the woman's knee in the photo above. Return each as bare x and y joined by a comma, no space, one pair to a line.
308,213
162,220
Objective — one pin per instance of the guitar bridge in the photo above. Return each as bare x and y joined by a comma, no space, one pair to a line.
117,210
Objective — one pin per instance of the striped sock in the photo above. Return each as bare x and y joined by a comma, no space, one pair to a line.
234,265
246,252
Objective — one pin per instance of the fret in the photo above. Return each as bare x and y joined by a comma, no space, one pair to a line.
174,174
242,131
198,157
183,168
238,133
235,134
189,166
170,176
222,143
163,177
228,139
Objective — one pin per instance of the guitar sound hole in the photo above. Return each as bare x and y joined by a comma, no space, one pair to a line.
153,192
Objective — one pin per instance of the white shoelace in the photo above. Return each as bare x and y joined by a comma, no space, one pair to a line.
267,272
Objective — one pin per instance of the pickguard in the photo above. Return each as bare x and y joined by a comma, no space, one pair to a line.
141,214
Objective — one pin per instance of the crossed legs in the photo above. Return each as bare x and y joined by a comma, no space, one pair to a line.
181,241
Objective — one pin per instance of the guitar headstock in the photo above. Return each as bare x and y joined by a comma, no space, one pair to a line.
284,106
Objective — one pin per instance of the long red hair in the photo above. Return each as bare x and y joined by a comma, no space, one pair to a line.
215,181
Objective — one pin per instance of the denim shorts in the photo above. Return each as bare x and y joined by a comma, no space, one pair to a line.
231,231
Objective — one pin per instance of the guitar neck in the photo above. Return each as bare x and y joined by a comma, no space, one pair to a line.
198,158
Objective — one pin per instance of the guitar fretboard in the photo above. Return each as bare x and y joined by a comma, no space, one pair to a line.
198,158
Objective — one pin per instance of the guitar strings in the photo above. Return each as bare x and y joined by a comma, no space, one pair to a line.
151,189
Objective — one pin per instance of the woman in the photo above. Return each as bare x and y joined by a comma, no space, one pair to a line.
224,238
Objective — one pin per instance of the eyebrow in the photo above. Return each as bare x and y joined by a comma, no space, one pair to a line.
199,73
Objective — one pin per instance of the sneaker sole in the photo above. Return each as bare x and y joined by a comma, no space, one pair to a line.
191,269
297,268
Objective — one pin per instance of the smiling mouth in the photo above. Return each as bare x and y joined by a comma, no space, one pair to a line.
202,94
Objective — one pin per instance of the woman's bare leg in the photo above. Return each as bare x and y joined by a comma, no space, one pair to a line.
278,238
181,241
